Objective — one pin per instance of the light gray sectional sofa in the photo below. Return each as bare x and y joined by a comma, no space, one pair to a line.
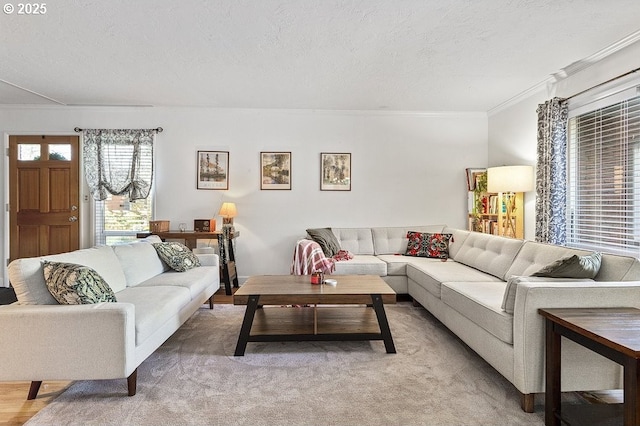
472,294
43,340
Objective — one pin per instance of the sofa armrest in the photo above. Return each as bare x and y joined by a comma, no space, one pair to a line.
529,330
208,259
67,342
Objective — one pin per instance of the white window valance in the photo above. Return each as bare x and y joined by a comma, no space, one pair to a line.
118,162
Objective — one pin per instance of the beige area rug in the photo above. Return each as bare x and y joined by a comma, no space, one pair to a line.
434,379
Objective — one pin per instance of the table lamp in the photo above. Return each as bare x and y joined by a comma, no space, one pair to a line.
506,181
228,211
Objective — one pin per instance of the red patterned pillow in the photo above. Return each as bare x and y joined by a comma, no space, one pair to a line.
421,244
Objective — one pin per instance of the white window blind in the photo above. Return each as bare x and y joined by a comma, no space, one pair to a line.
118,219
603,193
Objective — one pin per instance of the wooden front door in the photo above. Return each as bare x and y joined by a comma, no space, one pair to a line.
43,195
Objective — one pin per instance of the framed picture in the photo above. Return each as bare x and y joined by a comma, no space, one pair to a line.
213,170
275,170
335,171
473,175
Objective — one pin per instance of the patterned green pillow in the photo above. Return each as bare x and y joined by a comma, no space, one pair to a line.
177,256
72,284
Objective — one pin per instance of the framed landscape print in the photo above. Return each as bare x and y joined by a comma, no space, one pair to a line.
275,170
335,171
213,170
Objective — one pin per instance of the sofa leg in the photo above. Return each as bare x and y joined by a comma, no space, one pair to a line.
33,390
132,381
527,401
211,302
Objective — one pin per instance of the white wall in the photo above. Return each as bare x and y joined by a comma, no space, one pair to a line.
407,168
512,141
513,129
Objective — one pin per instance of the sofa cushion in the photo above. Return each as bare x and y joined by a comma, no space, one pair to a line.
73,284
396,263
393,240
27,278
361,265
154,307
177,256
457,240
575,266
481,303
421,244
431,273
534,256
509,298
326,239
355,240
489,253
139,260
195,280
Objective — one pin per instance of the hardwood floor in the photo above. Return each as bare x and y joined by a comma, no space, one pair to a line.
16,410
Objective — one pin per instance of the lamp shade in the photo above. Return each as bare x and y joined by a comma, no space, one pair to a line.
510,179
228,210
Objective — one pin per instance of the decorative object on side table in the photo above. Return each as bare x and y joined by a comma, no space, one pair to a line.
213,170
275,170
204,225
228,211
159,225
335,171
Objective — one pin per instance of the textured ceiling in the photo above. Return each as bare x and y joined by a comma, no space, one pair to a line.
411,55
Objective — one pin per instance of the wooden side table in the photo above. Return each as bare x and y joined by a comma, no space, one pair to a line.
228,272
611,332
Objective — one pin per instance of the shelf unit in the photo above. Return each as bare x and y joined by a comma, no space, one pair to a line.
487,212
494,221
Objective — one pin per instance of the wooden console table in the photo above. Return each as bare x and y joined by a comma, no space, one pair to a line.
228,272
611,332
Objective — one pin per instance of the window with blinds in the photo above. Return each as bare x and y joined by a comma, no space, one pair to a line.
118,220
603,192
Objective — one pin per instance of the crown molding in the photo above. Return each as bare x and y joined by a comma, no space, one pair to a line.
568,71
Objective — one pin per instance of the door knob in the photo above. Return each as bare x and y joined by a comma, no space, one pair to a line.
73,219
73,208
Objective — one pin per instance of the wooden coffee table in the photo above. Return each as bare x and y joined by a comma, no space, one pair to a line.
313,322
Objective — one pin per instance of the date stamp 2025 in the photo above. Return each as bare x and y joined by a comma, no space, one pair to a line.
25,8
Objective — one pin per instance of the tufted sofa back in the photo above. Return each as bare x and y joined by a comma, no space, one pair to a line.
534,256
488,253
355,240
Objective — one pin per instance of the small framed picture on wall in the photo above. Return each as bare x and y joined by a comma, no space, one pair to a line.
275,170
335,171
213,170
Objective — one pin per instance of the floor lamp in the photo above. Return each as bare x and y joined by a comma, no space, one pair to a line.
506,181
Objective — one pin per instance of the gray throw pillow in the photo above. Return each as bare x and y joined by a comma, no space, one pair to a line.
327,240
177,256
72,284
572,267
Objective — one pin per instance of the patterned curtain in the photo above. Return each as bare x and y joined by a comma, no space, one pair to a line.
118,162
551,174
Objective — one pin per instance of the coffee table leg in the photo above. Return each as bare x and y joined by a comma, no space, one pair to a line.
378,306
245,330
